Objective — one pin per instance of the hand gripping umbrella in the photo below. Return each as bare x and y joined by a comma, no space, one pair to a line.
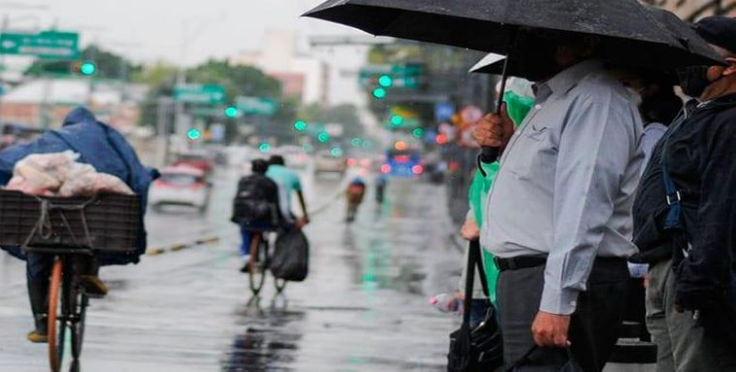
630,34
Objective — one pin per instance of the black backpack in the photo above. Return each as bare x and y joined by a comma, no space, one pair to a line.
256,201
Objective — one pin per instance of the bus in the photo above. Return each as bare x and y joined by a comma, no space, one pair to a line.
402,162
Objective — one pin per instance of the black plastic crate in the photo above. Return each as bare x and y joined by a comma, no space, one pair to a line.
111,221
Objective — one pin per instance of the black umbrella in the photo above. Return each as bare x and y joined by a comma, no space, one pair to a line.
629,31
494,63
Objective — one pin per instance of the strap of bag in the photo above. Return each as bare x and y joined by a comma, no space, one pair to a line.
475,245
469,279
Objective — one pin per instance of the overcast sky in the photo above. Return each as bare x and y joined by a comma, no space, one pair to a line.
149,30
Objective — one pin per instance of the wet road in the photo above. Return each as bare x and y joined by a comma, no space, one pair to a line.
363,307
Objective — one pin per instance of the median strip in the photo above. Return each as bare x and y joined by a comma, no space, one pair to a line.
179,246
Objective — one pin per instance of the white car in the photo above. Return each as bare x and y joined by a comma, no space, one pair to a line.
325,161
180,186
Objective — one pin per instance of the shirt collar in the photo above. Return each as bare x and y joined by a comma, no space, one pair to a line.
567,79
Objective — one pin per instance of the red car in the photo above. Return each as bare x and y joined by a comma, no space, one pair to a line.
195,160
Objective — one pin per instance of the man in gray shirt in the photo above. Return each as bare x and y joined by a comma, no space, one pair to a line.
561,221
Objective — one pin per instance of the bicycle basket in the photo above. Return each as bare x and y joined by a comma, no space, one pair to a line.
107,222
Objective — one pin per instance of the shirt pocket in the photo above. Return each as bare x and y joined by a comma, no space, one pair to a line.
528,151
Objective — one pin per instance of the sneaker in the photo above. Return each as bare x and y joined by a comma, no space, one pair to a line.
246,264
38,336
93,286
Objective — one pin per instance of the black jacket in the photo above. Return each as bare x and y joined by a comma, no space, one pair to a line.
701,158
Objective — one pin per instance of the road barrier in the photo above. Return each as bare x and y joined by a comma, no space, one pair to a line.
180,246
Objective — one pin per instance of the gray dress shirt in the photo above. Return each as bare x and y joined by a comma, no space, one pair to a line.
567,181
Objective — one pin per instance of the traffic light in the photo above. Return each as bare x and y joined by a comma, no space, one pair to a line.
418,132
379,93
323,137
231,112
87,68
300,125
264,147
194,134
385,81
336,152
397,120
357,142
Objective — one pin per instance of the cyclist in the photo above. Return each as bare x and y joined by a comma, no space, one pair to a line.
256,207
107,151
289,183
354,196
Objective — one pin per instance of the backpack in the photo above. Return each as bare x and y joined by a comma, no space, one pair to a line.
256,200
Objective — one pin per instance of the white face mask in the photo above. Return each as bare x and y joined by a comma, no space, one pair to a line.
634,95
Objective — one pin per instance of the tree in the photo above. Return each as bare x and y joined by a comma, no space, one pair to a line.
109,65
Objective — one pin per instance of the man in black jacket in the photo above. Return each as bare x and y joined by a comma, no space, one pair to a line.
691,256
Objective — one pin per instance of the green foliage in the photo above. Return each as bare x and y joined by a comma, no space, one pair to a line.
109,65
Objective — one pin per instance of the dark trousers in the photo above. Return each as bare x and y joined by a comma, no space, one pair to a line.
593,327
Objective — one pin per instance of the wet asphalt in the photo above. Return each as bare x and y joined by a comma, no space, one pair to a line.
363,307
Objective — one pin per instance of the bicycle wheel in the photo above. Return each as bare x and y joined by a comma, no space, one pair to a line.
258,263
56,319
77,323
280,284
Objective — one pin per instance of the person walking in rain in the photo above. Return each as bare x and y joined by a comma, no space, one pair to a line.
558,217
691,296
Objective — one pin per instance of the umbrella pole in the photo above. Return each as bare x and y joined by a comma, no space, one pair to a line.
490,154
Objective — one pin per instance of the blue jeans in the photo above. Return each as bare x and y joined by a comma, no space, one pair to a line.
247,231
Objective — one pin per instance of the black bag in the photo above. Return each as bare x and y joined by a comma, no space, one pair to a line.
479,349
256,201
571,365
290,261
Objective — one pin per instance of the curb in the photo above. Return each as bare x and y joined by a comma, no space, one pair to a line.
180,247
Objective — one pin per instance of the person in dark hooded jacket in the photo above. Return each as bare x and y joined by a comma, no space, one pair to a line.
685,218
107,151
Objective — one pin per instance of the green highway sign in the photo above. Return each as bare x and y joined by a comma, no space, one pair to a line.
256,105
407,75
195,93
45,45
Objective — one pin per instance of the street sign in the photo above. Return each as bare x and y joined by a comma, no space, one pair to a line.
408,75
45,45
256,105
204,94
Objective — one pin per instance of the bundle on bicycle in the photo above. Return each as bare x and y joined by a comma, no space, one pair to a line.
73,201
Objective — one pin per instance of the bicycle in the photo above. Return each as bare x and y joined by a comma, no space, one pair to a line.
260,260
67,307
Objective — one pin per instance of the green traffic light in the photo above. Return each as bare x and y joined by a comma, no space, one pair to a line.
336,152
379,93
88,68
264,147
323,137
300,125
231,112
357,142
194,134
385,81
397,120
418,132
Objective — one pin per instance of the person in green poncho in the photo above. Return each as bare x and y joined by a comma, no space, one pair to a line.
518,100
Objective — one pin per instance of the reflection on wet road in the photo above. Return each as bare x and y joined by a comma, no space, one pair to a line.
363,307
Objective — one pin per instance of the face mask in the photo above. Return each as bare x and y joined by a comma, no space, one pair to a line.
694,80
534,57
635,96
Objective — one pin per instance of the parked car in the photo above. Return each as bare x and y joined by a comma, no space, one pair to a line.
325,161
195,159
180,185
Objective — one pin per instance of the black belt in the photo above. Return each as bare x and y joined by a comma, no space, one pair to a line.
519,262
527,262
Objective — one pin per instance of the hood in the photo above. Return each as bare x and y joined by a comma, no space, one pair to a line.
79,115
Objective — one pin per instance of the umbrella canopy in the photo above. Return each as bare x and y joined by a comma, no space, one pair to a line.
631,34
494,63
